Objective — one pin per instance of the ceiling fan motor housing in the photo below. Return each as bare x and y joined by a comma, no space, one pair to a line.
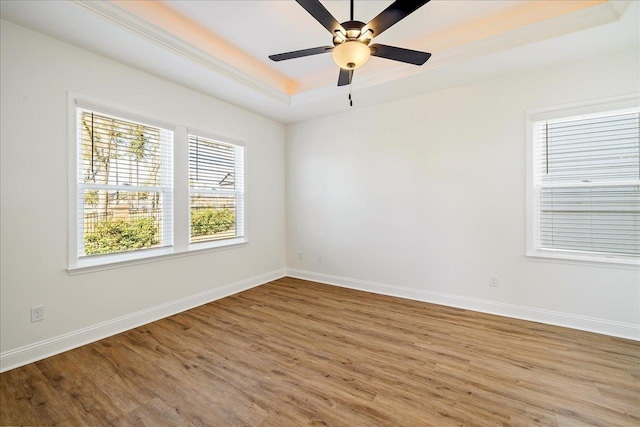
354,31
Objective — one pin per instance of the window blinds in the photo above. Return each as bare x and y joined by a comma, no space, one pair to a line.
216,190
125,185
587,179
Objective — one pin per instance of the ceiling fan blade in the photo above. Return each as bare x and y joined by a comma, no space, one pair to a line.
345,77
399,54
322,15
397,11
301,53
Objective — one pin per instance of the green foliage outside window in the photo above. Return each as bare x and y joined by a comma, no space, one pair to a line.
211,221
119,235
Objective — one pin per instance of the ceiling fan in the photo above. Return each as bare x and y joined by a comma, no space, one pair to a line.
351,39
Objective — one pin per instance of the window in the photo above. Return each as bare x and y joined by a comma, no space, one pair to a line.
585,182
132,200
216,202
125,185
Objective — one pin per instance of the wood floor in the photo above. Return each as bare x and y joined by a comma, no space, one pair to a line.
296,353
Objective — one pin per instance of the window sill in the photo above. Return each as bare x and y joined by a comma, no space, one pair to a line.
108,262
596,261
216,244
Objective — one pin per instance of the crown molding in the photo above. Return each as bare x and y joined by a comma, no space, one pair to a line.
604,13
620,6
166,40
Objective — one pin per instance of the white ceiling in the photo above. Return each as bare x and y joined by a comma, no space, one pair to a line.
270,27
221,48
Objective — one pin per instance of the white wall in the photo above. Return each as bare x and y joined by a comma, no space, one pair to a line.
425,198
37,71
422,198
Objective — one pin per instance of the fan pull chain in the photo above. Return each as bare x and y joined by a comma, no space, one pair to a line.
350,99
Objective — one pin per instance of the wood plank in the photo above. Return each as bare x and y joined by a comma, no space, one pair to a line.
294,352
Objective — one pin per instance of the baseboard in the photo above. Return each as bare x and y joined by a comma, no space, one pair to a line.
37,351
590,324
40,350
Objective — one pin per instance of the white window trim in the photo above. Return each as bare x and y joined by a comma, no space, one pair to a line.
180,246
550,113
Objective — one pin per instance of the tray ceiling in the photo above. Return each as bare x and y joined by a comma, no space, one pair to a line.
221,47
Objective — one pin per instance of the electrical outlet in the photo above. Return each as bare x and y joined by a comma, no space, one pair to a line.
37,313
319,258
299,255
493,281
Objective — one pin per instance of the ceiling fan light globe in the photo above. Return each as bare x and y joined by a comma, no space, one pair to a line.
351,54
